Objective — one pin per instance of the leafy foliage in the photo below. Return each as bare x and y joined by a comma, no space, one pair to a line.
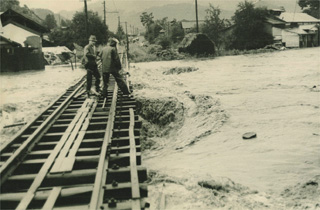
65,23
50,21
120,33
164,41
76,33
95,27
249,30
152,32
310,7
176,31
161,31
146,19
214,24
8,4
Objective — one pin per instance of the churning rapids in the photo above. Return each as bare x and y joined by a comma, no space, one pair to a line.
195,113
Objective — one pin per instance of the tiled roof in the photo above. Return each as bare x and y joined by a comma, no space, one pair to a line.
297,18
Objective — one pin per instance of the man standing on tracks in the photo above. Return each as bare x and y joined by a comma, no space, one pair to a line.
111,65
90,64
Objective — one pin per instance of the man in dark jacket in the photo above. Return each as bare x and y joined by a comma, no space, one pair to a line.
111,65
90,65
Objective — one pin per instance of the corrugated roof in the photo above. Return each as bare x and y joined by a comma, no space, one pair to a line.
298,18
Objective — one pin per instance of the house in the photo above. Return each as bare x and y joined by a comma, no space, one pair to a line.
274,26
18,26
21,42
301,30
291,29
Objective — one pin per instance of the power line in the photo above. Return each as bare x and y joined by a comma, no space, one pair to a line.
115,6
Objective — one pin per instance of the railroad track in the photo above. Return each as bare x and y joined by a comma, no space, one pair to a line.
80,153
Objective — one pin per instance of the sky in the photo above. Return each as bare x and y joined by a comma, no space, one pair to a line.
58,5
53,5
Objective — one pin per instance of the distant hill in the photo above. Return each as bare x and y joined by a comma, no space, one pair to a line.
130,11
42,13
182,11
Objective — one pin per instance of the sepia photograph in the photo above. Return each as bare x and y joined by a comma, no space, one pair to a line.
160,104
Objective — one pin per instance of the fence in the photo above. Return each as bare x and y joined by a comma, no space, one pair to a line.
19,59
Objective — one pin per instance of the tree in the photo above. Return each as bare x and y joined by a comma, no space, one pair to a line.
95,27
176,31
152,32
50,21
249,30
213,25
62,38
310,7
120,33
66,22
8,4
76,32
146,19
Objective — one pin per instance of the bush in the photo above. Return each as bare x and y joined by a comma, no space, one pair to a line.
164,42
153,49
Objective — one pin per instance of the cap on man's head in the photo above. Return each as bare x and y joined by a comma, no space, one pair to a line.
93,38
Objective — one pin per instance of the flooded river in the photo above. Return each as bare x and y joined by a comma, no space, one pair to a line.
25,94
276,95
196,156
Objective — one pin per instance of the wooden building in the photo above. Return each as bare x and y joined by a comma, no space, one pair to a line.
21,42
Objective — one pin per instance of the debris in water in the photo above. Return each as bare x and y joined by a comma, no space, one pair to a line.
179,70
249,135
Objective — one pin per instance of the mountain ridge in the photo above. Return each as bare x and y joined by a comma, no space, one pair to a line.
131,11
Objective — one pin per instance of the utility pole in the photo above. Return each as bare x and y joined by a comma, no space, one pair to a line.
197,16
86,21
127,37
104,12
127,42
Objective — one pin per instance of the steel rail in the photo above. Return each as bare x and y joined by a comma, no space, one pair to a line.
22,151
88,158
135,188
50,160
28,125
98,190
